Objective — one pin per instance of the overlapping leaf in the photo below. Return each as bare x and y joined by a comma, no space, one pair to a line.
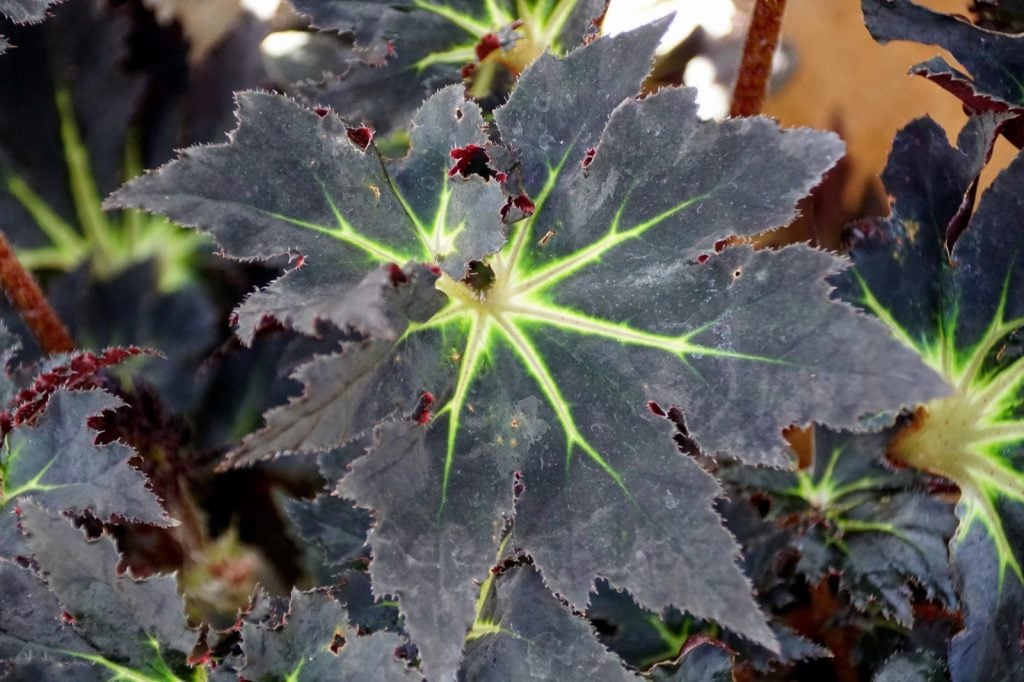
56,464
916,666
879,530
420,46
706,662
64,90
642,638
292,182
316,643
331,527
26,11
994,60
597,303
964,317
522,632
125,622
32,618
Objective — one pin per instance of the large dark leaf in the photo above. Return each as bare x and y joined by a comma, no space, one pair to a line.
964,317
543,361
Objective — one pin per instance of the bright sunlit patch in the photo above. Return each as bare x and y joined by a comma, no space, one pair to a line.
714,16
261,9
283,43
712,96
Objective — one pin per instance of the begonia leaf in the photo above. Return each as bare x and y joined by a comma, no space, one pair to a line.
315,642
962,312
26,11
533,367
129,622
404,48
56,464
850,515
521,632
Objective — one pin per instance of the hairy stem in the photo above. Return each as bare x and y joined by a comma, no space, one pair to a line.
26,296
756,65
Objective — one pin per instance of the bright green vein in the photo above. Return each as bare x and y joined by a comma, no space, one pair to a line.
511,310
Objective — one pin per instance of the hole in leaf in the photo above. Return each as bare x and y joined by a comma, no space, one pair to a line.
421,414
522,203
479,276
406,652
518,485
472,160
396,275
321,111
458,114
866,230
361,136
762,503
655,408
588,158
338,644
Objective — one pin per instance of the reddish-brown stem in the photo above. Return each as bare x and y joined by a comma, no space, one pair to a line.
24,293
756,65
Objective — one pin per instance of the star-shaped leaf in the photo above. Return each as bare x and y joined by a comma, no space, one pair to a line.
536,373
963,313
56,464
851,515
